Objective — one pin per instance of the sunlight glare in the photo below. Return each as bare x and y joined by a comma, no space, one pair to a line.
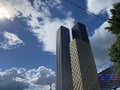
4,13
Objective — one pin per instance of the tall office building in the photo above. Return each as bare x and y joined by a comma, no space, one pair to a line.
79,32
64,75
84,74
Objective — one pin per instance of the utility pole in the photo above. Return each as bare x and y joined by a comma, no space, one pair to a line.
50,86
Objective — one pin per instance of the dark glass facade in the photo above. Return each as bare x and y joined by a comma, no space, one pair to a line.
76,68
84,73
63,74
79,32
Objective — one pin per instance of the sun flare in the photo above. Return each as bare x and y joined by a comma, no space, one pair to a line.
4,13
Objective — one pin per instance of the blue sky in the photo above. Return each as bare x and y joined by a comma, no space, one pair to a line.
28,34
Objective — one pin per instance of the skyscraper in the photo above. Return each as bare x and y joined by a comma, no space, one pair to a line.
64,74
79,32
84,74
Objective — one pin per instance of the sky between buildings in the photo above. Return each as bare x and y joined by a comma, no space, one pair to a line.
28,38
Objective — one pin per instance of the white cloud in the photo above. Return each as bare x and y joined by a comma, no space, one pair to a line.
100,42
39,18
41,76
41,87
101,39
22,79
47,32
46,29
10,41
8,80
98,6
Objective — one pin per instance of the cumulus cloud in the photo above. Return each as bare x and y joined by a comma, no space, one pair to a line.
41,76
38,16
41,87
49,29
22,79
98,6
9,80
101,39
100,42
10,41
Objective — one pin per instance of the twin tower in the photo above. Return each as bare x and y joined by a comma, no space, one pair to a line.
76,68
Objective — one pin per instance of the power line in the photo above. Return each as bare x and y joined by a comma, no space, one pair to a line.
85,10
91,14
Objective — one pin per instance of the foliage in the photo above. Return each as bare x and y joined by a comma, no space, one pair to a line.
114,50
117,67
114,28
114,21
